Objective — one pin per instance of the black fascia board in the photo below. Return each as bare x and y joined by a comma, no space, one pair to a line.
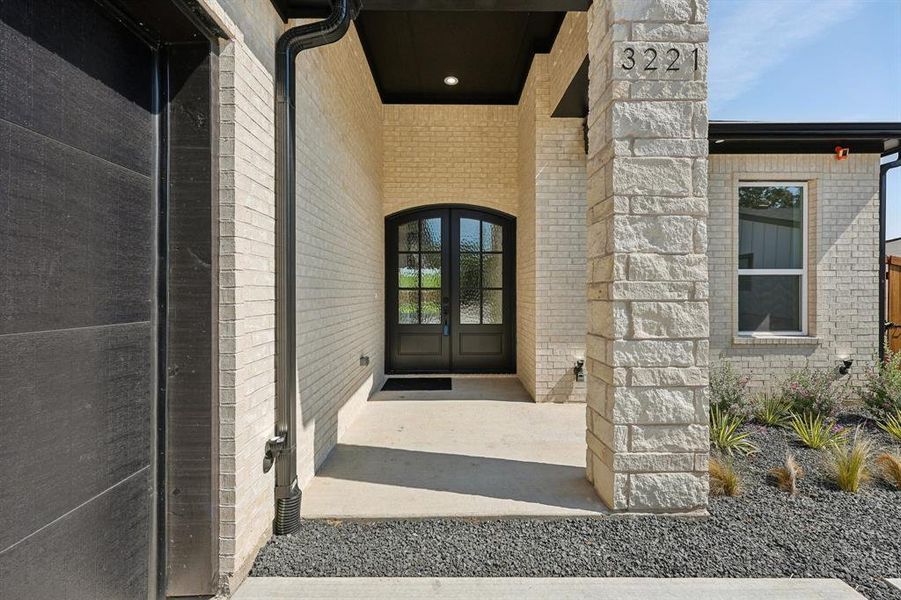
743,137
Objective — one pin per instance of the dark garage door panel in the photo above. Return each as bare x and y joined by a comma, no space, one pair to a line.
77,298
76,249
69,73
80,399
80,557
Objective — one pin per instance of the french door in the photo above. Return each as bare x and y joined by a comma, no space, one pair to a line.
450,291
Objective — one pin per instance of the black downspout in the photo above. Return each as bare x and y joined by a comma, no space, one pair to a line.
282,449
883,198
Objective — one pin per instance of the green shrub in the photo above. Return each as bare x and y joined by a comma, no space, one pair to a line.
892,425
772,410
881,389
726,434
813,391
729,390
848,463
815,431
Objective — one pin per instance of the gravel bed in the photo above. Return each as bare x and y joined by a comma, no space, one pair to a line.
822,532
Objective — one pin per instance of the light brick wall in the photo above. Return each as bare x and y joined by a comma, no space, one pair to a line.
450,154
526,241
843,257
340,245
648,316
246,290
569,52
552,302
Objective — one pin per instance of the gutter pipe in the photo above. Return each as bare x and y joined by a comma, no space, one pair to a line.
281,450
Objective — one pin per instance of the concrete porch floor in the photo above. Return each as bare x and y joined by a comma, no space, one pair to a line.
483,449
560,588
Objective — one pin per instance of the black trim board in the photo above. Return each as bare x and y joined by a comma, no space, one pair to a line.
743,137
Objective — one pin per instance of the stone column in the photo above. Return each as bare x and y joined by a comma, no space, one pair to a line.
647,203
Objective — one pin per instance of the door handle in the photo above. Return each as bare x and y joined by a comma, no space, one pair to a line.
445,312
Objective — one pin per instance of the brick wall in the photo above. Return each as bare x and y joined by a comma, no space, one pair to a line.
526,244
843,257
246,285
453,154
566,57
553,193
340,249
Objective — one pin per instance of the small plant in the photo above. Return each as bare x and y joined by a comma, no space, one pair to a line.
724,481
787,475
892,425
891,468
772,410
881,389
729,390
815,431
813,391
726,434
848,463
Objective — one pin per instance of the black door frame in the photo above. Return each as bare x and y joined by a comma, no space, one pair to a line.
179,33
509,281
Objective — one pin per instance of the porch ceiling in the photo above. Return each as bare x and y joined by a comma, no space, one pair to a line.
411,52
412,45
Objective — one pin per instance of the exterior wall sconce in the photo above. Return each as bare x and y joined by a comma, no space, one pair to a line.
579,370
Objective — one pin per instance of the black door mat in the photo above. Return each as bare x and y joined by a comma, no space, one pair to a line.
416,384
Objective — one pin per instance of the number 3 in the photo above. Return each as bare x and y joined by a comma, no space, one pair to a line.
630,56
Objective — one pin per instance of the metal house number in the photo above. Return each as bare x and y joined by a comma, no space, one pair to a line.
650,59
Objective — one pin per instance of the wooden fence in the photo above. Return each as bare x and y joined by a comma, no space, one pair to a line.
893,302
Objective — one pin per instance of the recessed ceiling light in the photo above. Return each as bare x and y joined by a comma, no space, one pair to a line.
718,141
451,80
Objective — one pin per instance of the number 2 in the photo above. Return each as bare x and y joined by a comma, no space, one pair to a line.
648,66
670,52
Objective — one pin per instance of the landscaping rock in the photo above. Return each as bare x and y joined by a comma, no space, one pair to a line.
821,532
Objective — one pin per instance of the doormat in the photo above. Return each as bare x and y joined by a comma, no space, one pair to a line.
416,384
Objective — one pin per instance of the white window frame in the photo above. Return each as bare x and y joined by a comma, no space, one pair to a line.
805,201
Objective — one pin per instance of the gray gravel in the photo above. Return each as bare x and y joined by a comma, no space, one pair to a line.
822,532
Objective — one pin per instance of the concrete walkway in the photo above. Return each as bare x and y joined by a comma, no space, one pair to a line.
482,450
290,588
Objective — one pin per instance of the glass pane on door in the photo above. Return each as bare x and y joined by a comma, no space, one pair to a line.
481,272
419,272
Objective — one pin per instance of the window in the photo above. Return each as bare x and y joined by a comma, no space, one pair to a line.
772,258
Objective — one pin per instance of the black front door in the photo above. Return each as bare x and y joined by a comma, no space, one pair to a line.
450,291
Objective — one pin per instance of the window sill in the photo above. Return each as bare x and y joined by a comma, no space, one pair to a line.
775,340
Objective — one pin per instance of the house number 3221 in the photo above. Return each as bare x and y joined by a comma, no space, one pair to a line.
650,59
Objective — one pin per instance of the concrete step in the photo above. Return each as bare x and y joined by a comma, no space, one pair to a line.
515,588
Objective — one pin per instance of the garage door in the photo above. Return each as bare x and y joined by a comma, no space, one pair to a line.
77,303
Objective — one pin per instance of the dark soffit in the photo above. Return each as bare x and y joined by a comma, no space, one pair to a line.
490,52
300,9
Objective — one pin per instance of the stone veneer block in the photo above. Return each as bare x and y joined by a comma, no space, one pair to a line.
648,346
